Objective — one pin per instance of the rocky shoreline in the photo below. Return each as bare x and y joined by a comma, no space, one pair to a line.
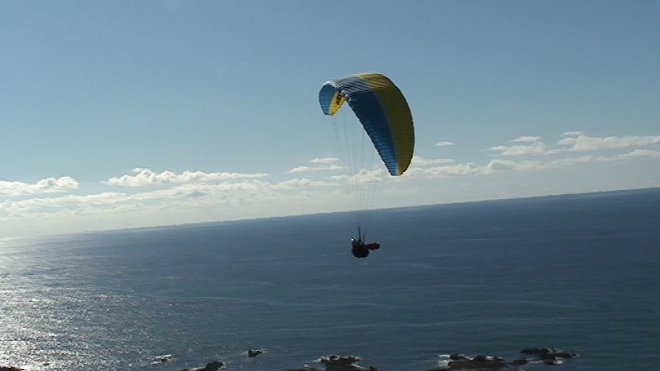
449,362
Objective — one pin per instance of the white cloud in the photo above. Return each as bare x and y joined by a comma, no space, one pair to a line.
55,204
528,138
500,165
324,160
580,142
586,143
191,194
300,183
574,141
534,146
327,163
444,143
224,195
519,150
504,165
145,177
302,169
47,185
363,176
638,153
569,161
421,161
567,141
446,170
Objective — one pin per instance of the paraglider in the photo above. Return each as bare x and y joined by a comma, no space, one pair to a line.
361,249
384,114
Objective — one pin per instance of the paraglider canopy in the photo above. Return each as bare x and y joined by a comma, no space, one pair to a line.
382,110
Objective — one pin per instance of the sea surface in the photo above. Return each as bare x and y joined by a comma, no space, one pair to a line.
575,272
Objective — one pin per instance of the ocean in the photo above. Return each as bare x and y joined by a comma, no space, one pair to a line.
574,272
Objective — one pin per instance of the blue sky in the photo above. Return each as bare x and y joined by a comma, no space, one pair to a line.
140,113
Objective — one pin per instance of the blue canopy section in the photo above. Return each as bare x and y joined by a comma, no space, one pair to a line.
369,110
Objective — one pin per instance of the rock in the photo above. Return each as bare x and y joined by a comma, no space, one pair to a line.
163,359
478,362
9,368
343,363
456,356
548,353
211,366
563,354
552,361
520,361
254,352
